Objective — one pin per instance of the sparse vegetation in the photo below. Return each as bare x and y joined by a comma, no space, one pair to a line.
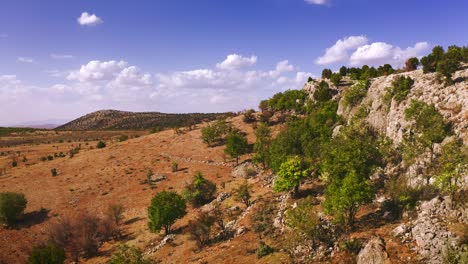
242,194
12,206
264,250
356,93
174,166
128,255
47,254
200,191
165,209
115,212
249,116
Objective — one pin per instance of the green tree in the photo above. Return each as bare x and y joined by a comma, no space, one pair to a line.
344,196
242,194
429,63
411,64
326,73
451,166
262,143
47,254
165,209
200,191
343,71
401,87
128,255
335,78
214,132
12,206
305,220
236,145
290,175
322,92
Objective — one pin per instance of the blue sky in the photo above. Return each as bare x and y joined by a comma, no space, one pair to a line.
205,55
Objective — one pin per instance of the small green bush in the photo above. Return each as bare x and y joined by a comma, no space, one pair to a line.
101,144
201,191
352,246
47,254
14,163
54,172
123,138
264,250
12,206
356,93
165,209
128,255
174,166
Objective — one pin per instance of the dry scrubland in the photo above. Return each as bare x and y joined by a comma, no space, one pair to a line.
95,178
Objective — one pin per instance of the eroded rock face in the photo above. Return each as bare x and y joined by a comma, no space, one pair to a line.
374,252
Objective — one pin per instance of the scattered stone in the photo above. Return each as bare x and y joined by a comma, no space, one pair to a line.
373,253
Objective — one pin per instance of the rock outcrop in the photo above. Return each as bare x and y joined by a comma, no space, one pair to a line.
374,252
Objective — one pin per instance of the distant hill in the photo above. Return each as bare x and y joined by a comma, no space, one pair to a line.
121,120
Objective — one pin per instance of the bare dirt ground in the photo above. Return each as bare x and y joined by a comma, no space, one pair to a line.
95,178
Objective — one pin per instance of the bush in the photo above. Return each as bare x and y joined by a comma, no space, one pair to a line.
305,220
47,254
165,209
335,79
322,92
12,206
101,144
50,157
201,191
356,93
401,87
290,100
236,145
264,250
249,116
262,219
290,175
214,132
262,144
14,163
54,172
411,64
242,194
352,246
123,138
128,255
326,73
174,166
200,229
115,212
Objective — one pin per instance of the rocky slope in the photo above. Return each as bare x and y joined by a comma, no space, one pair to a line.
118,120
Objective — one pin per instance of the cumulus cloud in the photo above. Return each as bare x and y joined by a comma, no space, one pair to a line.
118,85
339,51
379,53
236,62
26,60
317,2
61,56
87,19
373,54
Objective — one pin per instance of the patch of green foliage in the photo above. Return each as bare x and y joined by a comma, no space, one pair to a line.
445,63
262,144
201,191
401,87
290,100
165,209
264,250
101,144
12,206
290,174
47,254
236,145
214,132
356,93
322,92
128,255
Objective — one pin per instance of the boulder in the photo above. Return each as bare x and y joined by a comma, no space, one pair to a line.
373,253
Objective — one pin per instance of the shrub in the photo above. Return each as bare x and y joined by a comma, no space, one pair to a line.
50,157
12,206
214,132
249,116
123,138
115,212
326,73
200,229
355,93
343,71
242,194
14,163
149,175
401,87
411,64
290,100
200,191
54,172
174,166
128,255
335,79
236,145
43,158
305,220
290,175
165,209
262,219
101,144
264,250
402,197
352,246
322,92
47,254
262,144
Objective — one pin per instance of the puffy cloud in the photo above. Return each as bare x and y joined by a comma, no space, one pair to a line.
26,60
236,62
317,2
97,71
87,19
61,56
379,53
282,67
339,51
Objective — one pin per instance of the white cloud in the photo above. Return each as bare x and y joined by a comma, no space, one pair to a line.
26,60
61,56
282,67
236,62
317,2
339,51
379,53
97,71
87,19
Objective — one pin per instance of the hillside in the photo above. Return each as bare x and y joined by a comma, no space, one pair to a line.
121,120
